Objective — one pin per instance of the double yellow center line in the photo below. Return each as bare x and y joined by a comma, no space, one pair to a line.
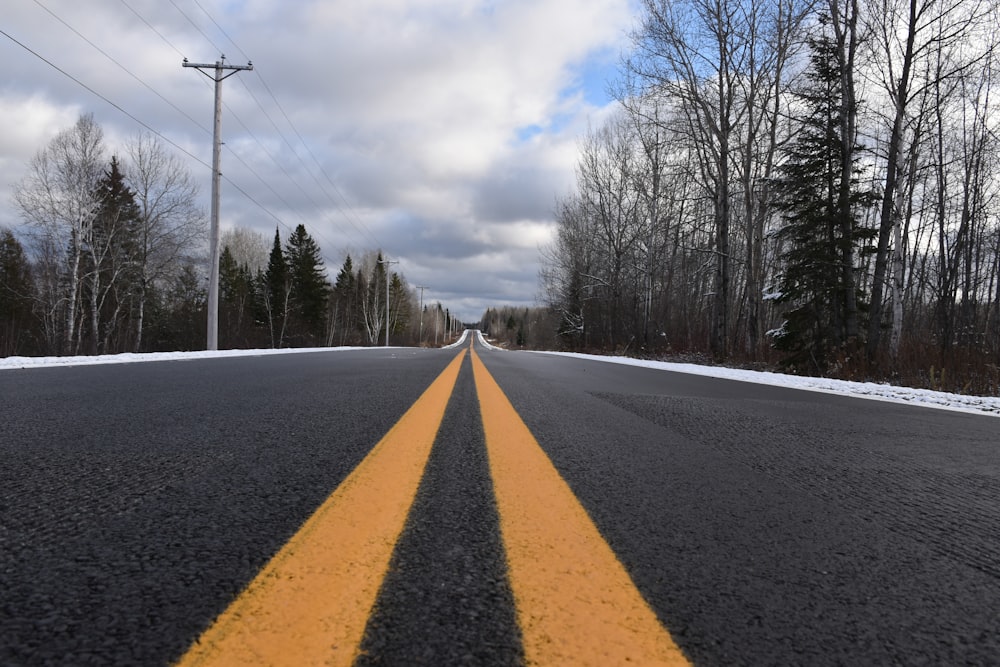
576,604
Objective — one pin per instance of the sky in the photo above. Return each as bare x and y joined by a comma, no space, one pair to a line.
867,390
439,131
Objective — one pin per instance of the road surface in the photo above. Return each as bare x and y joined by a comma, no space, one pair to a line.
453,507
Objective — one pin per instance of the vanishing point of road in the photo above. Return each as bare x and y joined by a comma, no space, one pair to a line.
478,507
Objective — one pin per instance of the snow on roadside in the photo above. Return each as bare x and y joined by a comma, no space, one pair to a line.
459,342
7,363
482,341
871,390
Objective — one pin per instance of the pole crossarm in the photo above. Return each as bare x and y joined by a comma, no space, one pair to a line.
218,66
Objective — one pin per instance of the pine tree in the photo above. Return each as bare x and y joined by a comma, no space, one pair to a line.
110,267
309,287
818,234
236,292
274,290
187,311
343,303
361,296
15,296
399,301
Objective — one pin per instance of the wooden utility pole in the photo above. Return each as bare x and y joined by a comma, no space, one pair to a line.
218,75
420,331
387,263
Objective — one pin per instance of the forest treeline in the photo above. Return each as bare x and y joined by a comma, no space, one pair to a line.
515,327
111,258
810,183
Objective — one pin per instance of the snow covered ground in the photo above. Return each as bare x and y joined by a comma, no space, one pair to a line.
871,390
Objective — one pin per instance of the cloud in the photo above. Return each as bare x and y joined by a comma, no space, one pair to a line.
446,129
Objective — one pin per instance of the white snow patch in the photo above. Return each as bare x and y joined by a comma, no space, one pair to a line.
457,343
882,392
7,363
482,341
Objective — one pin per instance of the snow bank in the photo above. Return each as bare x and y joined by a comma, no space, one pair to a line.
871,390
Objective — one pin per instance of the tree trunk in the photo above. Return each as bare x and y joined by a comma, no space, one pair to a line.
887,216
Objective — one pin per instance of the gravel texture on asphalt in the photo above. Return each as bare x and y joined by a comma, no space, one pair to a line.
771,526
136,501
763,525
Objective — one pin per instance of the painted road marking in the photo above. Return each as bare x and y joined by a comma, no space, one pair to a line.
311,602
576,604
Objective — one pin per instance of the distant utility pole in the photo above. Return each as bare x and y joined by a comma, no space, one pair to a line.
218,76
420,334
387,263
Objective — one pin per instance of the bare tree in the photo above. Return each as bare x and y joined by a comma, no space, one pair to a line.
606,177
908,33
171,225
372,287
248,247
58,200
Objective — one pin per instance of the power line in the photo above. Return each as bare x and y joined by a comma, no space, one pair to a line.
151,27
224,33
349,212
213,276
198,28
122,67
244,125
358,227
102,97
152,130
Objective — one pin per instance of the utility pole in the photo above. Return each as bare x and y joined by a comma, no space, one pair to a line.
387,262
420,333
218,76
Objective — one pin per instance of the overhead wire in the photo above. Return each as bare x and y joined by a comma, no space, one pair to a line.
104,98
229,149
142,123
349,212
122,67
153,28
350,215
359,227
156,132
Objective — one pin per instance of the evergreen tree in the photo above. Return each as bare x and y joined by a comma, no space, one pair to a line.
343,304
237,294
274,290
187,316
820,237
309,289
361,296
110,267
399,300
15,297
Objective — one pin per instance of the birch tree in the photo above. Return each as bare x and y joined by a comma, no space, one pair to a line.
908,33
172,227
58,200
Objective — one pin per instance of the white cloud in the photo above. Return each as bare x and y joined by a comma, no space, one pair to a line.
450,126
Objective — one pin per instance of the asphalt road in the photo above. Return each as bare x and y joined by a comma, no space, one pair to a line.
762,525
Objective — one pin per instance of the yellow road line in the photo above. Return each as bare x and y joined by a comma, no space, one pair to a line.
576,604
310,604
